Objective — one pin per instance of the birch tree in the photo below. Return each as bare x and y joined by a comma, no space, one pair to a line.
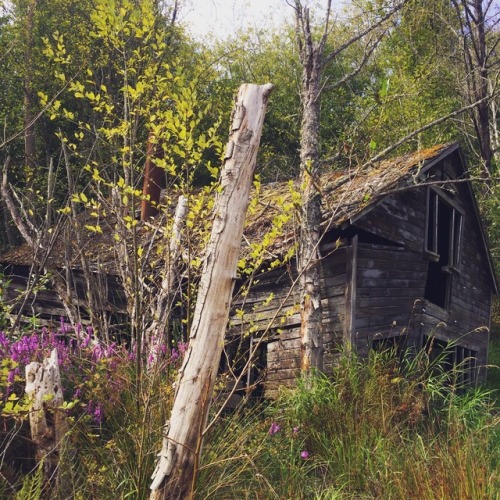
175,472
315,56
478,22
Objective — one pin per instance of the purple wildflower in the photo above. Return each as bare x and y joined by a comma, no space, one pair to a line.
97,414
304,454
174,356
182,346
296,430
86,341
274,429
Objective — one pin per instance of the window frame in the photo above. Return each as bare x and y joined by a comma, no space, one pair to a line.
457,356
435,195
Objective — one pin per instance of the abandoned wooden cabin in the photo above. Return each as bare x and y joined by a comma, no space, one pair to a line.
404,259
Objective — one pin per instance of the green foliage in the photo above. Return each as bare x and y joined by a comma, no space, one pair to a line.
32,485
413,79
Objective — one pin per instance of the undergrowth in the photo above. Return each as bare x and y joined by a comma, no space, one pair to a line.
377,428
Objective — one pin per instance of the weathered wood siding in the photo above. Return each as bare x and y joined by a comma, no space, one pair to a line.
389,294
391,281
399,218
272,308
467,319
44,303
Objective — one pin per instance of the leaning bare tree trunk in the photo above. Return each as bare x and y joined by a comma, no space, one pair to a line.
48,423
175,473
162,306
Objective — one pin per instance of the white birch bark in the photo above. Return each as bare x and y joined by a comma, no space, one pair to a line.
162,306
175,472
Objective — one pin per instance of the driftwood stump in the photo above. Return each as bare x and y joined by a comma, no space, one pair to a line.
48,422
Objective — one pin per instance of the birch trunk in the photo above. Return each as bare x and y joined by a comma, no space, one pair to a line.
47,422
175,473
308,258
162,306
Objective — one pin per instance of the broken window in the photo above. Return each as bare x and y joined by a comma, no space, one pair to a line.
450,356
442,243
244,359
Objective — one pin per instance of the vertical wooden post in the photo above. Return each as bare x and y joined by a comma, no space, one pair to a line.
175,473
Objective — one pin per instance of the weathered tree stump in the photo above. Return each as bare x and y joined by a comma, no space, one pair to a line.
48,422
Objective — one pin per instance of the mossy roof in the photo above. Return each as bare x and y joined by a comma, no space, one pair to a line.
344,195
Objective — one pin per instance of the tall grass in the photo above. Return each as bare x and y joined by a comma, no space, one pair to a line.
115,457
493,380
376,429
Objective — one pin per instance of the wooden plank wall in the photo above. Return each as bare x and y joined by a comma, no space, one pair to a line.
390,289
45,304
391,283
468,318
283,334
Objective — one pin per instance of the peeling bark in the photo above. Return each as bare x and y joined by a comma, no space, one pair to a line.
175,473
314,59
311,56
163,302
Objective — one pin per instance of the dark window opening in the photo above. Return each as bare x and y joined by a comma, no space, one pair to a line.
81,290
13,270
442,243
235,366
450,357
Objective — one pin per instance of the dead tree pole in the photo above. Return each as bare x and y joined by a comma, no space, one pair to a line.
157,332
175,472
308,258
314,58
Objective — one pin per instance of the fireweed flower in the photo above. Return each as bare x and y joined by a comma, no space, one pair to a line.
86,341
274,429
295,430
304,454
174,356
97,414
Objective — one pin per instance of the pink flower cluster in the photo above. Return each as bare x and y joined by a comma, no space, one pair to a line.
77,348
